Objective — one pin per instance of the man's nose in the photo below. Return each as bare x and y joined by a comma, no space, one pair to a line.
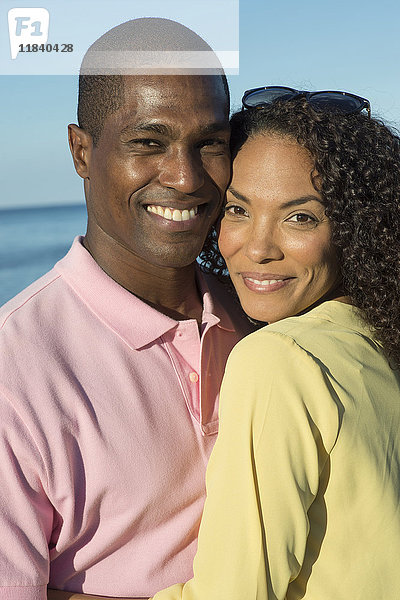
182,170
264,244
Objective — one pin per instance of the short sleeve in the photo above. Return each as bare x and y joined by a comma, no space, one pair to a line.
26,514
278,423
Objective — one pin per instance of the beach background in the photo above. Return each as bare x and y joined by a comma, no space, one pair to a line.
313,45
32,240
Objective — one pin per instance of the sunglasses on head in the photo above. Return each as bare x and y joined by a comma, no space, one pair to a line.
340,102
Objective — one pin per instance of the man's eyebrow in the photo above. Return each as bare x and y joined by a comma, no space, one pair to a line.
294,202
166,131
158,128
212,128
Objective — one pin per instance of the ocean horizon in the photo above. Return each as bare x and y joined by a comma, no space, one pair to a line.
32,240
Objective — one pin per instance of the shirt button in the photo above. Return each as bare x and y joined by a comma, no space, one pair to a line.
193,377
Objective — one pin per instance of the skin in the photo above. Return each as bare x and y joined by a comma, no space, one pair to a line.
157,149
275,228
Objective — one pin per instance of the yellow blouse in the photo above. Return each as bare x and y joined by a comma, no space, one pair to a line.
303,483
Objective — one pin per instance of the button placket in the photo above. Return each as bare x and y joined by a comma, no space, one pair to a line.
193,376
183,347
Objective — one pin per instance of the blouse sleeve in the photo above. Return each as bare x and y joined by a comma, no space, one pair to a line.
278,423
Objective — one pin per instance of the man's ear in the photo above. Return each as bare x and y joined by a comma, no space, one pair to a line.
81,145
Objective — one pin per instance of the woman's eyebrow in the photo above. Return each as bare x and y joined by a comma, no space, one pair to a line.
238,195
301,200
288,204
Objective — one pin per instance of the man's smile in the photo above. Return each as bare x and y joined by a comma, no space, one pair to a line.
171,218
173,214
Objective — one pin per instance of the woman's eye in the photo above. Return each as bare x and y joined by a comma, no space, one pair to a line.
234,209
302,219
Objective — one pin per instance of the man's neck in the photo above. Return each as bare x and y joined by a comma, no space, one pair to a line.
171,291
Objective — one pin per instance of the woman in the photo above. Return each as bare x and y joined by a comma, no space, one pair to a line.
303,484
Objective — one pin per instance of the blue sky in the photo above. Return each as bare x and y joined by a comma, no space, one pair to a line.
353,46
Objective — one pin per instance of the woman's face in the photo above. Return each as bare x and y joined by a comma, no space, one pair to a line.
275,237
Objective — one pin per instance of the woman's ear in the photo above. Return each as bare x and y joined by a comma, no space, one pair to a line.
81,145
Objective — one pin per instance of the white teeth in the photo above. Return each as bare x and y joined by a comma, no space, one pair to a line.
264,282
173,214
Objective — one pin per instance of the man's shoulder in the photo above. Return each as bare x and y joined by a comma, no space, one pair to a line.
40,303
29,330
36,296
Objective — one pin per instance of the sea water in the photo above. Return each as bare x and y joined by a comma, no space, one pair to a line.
32,240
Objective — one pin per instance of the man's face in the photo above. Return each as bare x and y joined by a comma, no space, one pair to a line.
158,174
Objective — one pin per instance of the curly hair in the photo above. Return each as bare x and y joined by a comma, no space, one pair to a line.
357,173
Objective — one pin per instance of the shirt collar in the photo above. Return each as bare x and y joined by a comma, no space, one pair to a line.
216,300
120,309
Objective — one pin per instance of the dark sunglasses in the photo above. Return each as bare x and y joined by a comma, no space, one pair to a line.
341,102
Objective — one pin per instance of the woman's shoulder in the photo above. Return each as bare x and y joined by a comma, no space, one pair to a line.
332,316
324,336
330,321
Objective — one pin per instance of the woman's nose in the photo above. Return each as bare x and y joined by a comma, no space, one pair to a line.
263,244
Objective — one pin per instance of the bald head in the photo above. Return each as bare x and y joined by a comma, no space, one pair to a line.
133,48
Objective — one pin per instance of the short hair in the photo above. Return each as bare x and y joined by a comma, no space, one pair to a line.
357,172
101,94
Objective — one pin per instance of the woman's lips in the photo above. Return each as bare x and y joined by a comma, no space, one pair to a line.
265,283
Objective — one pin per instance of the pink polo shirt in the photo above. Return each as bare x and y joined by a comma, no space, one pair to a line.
108,415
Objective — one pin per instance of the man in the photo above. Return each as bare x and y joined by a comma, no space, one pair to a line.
111,363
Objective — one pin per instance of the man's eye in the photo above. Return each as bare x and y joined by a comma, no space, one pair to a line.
144,143
214,145
234,209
